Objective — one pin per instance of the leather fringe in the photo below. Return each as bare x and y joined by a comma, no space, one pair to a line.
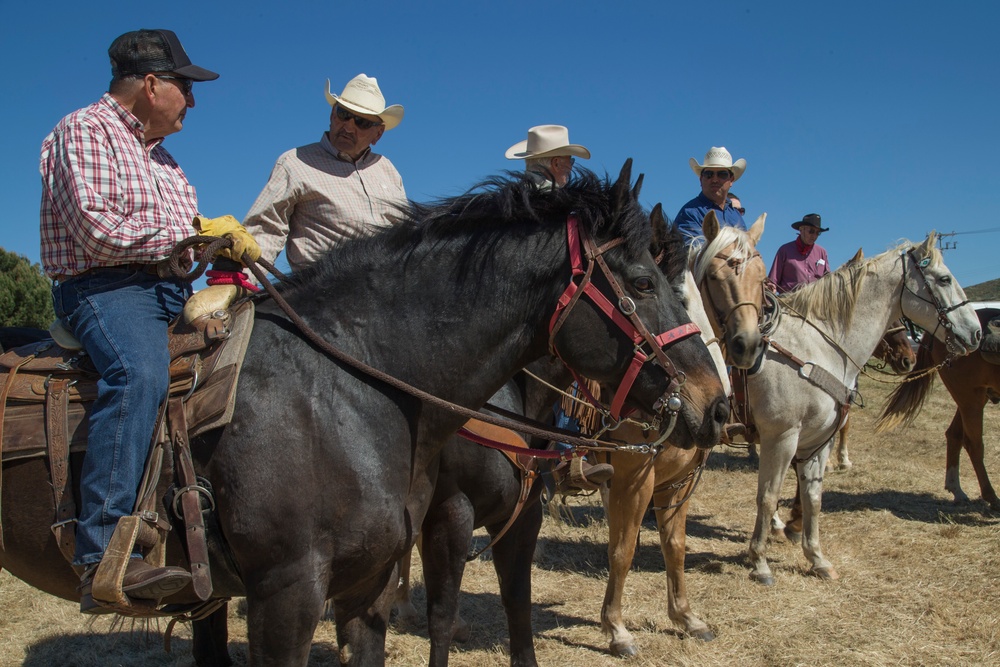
588,417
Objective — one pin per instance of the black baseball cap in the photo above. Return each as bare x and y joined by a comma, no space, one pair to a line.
147,51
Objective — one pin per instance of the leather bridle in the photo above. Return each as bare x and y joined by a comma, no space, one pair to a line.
942,310
647,347
737,266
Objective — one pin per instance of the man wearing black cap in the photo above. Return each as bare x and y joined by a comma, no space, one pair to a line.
114,204
800,261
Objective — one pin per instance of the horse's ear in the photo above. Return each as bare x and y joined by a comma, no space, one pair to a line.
859,257
757,230
637,187
927,247
710,226
659,223
620,190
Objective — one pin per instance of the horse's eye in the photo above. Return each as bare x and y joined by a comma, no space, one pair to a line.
945,280
643,284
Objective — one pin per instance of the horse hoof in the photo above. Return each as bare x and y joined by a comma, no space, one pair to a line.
705,635
827,573
624,650
460,631
763,579
793,536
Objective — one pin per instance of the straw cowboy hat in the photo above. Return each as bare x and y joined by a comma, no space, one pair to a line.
546,141
718,157
811,219
362,95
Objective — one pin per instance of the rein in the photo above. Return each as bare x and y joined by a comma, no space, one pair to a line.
514,422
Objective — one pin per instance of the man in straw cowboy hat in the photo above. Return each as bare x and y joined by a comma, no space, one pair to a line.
716,176
322,194
548,155
801,261
548,160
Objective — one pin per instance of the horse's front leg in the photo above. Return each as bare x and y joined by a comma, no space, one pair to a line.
630,491
446,535
284,606
402,605
972,421
361,634
810,474
955,436
843,459
774,460
210,639
512,557
672,526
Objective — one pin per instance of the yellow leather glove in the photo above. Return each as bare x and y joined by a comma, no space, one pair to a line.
228,226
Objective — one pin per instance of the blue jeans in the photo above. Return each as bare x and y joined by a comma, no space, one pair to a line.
120,316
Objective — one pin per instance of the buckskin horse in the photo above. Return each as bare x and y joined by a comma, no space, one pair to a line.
827,331
729,273
972,381
324,474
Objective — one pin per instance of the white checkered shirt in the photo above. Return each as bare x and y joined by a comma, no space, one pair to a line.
316,200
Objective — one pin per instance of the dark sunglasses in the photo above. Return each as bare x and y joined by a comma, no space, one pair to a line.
741,210
724,174
186,84
362,123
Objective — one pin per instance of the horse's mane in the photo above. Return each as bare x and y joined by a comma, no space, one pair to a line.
700,255
833,297
482,218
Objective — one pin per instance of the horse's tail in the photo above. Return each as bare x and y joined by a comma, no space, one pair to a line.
905,401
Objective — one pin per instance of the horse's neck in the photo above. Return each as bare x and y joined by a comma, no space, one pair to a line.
458,341
698,312
877,304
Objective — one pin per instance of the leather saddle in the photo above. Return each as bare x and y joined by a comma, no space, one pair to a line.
47,392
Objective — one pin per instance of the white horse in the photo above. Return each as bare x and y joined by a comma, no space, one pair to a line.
825,334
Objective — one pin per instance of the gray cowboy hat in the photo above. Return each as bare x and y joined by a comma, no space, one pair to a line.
811,219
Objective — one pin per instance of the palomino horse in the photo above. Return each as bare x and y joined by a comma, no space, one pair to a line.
730,274
971,381
827,331
479,487
325,473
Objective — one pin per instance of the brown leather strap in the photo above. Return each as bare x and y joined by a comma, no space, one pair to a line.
190,501
526,465
57,429
3,405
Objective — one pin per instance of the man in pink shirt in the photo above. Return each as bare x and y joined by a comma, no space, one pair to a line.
801,261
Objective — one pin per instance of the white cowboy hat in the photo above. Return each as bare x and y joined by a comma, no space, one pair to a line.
546,141
362,95
718,157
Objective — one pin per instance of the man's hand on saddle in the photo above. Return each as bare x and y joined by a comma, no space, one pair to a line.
229,227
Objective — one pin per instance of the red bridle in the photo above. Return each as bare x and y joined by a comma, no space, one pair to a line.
624,315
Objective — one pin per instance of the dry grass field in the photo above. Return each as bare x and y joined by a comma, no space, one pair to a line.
920,579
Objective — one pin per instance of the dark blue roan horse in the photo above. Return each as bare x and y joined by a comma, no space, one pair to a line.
325,474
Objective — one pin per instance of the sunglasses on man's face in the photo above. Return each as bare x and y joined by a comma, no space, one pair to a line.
185,84
361,123
723,174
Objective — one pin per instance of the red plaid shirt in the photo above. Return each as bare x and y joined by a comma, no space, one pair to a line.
108,198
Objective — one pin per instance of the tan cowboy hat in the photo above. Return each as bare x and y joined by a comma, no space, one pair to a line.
546,141
718,157
362,95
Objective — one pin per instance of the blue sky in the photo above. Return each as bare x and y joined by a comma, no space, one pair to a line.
880,116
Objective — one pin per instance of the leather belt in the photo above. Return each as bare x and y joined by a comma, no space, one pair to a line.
135,267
